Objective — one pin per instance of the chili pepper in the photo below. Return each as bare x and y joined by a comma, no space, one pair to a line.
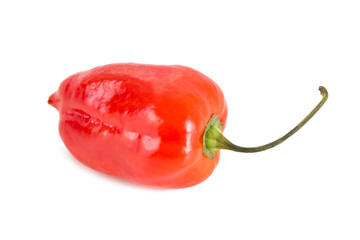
150,124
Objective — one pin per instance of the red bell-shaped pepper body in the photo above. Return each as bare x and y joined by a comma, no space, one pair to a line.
142,123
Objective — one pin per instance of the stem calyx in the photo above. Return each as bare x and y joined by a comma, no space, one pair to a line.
214,140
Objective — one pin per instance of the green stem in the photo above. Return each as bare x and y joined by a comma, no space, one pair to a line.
214,140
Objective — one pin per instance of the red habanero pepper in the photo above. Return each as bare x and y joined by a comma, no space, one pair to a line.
150,124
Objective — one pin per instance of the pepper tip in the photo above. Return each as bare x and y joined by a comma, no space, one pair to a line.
53,100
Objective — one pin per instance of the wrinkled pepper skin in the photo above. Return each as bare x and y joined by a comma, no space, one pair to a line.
142,123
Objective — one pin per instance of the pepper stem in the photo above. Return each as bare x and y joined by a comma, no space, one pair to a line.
214,140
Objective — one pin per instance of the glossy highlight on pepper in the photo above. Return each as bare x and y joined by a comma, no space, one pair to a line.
154,125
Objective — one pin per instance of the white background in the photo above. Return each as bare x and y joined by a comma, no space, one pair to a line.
269,57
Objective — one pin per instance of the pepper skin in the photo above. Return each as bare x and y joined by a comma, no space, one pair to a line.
142,123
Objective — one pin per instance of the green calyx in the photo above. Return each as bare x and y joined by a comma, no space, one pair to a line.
214,140
211,134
